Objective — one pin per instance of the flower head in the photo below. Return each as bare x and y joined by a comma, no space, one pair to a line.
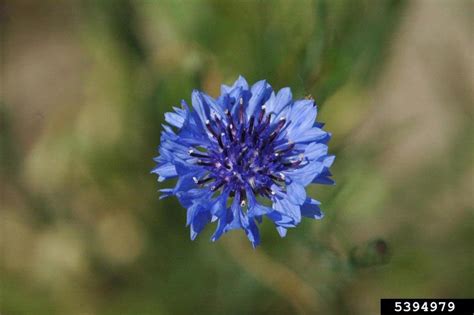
246,155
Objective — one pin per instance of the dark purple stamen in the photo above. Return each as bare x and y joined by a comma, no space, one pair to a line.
202,180
293,163
217,185
267,192
278,177
245,155
229,117
219,123
242,135
227,164
289,148
272,137
243,197
219,140
255,138
280,124
265,124
197,154
241,155
205,163
251,125
241,111
230,132
211,130
261,114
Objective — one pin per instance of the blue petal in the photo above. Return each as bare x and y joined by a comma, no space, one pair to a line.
166,192
324,178
305,174
199,106
209,101
249,226
311,209
241,220
252,233
188,169
190,213
165,171
256,209
185,188
281,219
200,219
284,206
282,100
224,220
329,160
315,150
281,231
187,198
171,152
296,193
219,204
168,131
193,131
302,116
235,222
282,114
174,119
260,93
223,213
259,210
310,135
240,82
238,94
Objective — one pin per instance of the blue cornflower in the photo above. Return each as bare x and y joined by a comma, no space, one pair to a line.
249,153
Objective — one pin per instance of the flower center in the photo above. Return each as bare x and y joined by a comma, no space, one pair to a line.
245,154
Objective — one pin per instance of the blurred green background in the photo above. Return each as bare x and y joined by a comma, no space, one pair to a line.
85,84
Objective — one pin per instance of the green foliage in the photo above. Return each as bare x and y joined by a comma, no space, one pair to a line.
84,231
